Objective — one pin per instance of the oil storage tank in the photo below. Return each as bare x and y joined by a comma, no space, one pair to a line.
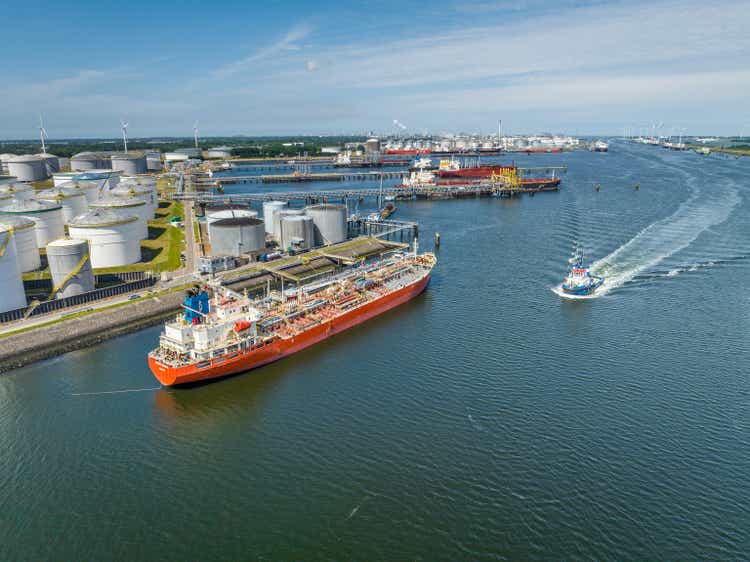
28,168
237,236
17,190
87,161
89,188
127,207
330,222
297,232
51,161
70,266
12,295
144,193
129,162
113,239
269,208
26,248
281,214
73,201
218,212
47,216
4,161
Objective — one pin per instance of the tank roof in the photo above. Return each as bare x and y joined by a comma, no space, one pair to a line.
59,193
127,155
80,184
327,206
237,221
64,242
109,201
23,158
100,217
297,218
17,222
233,207
24,206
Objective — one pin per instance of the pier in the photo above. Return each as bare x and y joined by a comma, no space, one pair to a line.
300,178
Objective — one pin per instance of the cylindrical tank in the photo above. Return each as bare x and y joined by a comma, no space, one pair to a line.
89,188
153,163
17,190
63,177
127,207
113,239
218,212
297,232
25,235
236,236
175,157
4,161
87,161
219,152
28,168
130,163
330,222
144,193
277,216
73,201
106,177
47,216
12,295
372,145
51,161
70,266
269,208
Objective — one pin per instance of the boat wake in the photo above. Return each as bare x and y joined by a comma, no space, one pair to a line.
665,237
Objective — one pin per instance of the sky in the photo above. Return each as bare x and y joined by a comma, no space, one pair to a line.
300,67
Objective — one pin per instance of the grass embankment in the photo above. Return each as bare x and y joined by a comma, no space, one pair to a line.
735,151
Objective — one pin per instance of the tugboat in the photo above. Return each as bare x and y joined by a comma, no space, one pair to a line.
580,281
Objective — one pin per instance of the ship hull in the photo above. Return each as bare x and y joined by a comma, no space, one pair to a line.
278,349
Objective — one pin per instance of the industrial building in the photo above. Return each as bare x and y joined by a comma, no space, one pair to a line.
113,239
70,266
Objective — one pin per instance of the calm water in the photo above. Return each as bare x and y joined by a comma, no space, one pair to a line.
487,419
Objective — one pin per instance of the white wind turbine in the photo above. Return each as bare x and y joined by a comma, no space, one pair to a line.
124,125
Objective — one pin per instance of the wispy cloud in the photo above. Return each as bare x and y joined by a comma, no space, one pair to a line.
289,42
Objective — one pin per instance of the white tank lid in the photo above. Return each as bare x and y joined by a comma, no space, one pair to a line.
120,202
25,206
100,217
17,222
65,242
59,193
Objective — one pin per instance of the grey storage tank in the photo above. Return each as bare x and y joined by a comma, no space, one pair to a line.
70,266
129,163
28,168
297,232
330,222
4,161
51,161
237,236
12,295
277,216
269,208
88,161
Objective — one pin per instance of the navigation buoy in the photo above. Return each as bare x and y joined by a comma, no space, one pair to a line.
637,186
597,187
437,239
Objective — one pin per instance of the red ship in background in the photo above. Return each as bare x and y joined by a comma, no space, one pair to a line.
451,172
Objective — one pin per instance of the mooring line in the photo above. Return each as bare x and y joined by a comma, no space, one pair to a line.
115,391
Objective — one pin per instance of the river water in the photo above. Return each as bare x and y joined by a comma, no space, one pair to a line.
487,419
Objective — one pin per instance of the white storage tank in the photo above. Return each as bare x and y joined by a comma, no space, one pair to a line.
175,157
51,161
4,161
28,168
218,212
26,248
63,177
47,216
113,239
297,232
269,209
219,152
330,223
87,161
89,188
129,163
127,207
236,236
70,266
107,177
12,295
144,193
17,190
73,201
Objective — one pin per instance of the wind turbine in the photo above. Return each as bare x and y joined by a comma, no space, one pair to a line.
42,134
195,133
124,134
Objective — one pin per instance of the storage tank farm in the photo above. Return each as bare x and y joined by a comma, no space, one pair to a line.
127,207
129,163
237,236
12,295
17,190
70,266
73,201
25,236
269,208
113,239
277,216
330,223
297,232
28,168
47,216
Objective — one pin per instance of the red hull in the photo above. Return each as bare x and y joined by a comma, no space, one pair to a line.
476,172
280,348
413,151
529,183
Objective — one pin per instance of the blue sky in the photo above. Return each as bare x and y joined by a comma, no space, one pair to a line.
292,67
